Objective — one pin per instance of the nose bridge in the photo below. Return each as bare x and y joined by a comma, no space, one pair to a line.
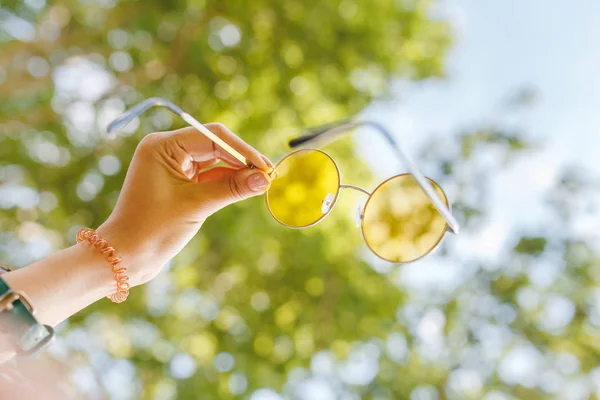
355,188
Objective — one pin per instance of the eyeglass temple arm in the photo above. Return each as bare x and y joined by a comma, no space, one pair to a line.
135,111
329,132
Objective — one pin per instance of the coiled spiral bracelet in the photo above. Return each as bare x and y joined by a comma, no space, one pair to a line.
122,280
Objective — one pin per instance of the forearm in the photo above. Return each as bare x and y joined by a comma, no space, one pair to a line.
60,285
64,283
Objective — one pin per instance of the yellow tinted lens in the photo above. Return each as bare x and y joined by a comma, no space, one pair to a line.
400,222
304,189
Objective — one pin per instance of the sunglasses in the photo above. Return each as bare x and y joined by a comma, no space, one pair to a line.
403,219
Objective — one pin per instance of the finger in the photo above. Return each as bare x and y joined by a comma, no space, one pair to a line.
237,143
198,147
200,165
193,169
223,186
201,148
214,174
269,163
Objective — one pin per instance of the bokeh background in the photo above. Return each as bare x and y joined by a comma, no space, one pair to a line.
497,100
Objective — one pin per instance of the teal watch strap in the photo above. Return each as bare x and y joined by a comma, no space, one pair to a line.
16,319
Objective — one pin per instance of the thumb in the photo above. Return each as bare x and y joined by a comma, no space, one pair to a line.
223,186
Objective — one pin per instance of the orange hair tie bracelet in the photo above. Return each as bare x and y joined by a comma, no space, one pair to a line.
122,280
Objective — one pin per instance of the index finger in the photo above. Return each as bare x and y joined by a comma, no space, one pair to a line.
201,148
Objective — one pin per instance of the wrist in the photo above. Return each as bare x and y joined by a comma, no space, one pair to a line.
131,247
93,271
64,283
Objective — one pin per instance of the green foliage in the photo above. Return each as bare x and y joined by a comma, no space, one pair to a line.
263,68
531,245
280,301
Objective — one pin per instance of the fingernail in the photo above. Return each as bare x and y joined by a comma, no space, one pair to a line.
257,182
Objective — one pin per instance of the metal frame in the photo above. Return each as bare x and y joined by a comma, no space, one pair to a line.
337,193
362,211
362,223
329,132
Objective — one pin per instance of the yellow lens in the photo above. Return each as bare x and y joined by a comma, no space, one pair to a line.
305,188
400,222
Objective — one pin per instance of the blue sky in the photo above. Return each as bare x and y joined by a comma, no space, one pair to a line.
552,46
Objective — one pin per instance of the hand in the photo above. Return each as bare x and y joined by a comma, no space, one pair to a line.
168,193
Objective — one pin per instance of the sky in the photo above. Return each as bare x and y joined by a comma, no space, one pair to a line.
550,46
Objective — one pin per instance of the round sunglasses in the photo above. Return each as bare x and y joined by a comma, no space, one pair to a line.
404,218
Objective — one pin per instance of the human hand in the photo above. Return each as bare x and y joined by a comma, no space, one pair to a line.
168,193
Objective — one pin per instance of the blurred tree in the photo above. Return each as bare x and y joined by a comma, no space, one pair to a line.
250,304
246,287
